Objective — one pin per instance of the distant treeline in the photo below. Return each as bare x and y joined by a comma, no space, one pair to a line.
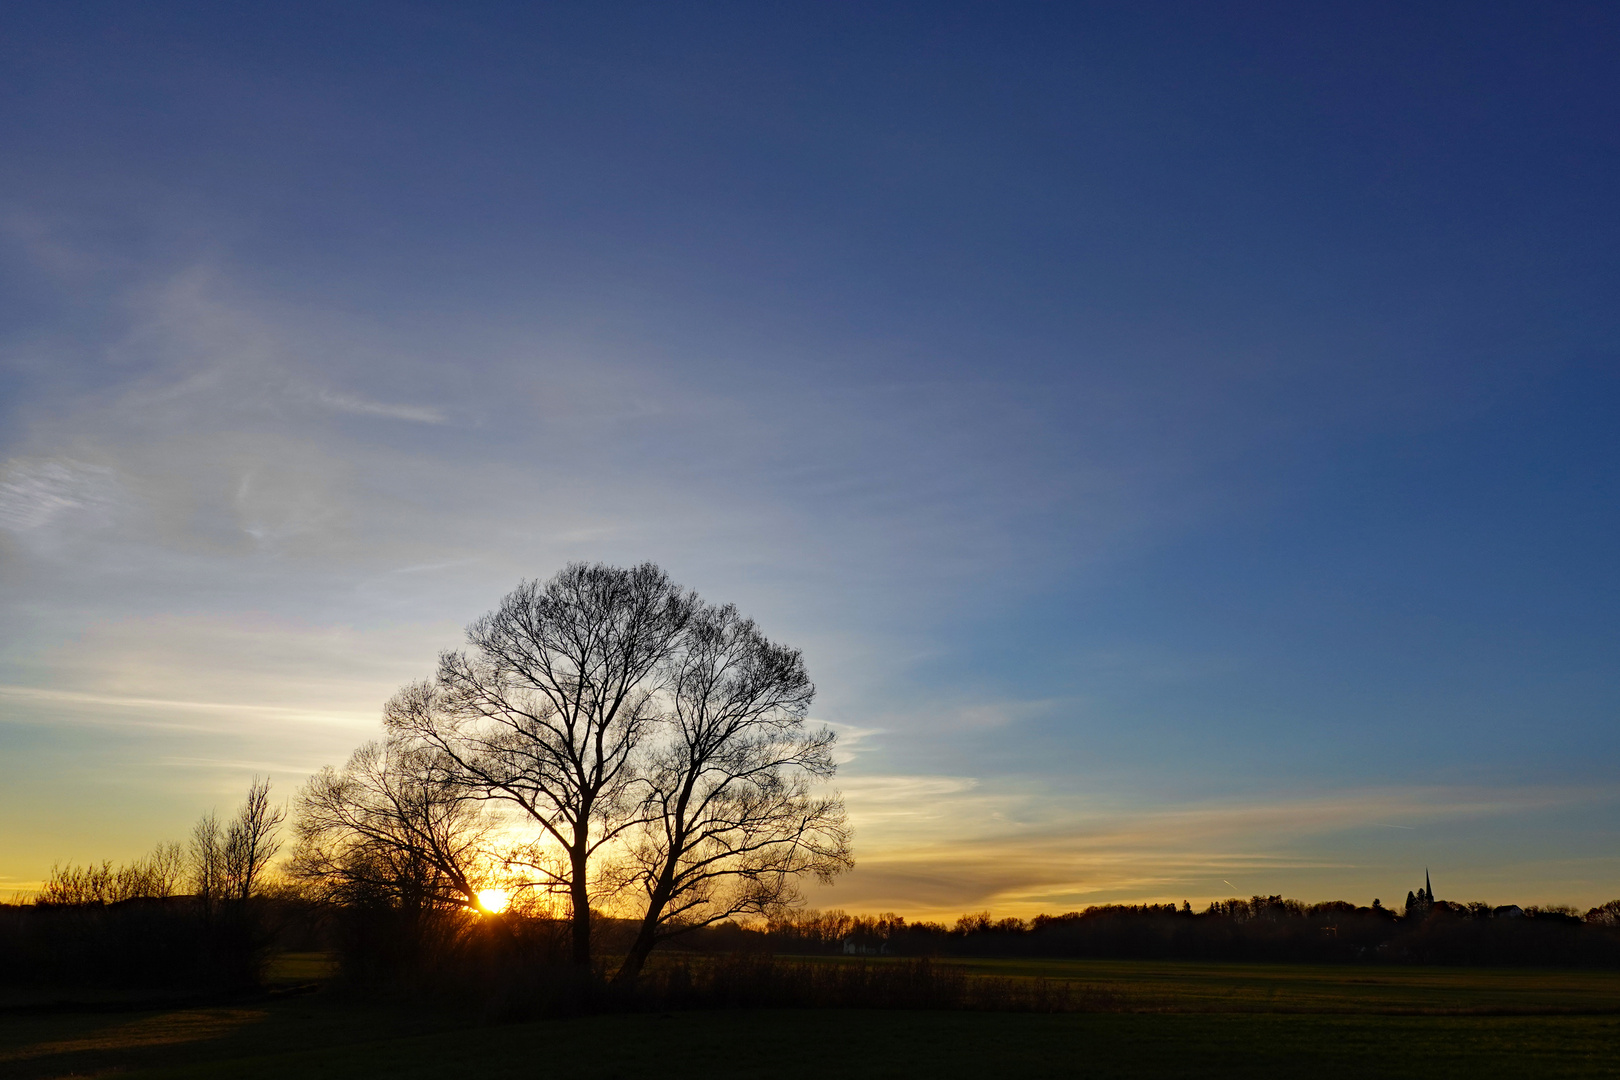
1261,928
93,934
205,916
199,916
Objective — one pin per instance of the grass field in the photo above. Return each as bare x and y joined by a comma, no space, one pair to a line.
1179,1020
1148,986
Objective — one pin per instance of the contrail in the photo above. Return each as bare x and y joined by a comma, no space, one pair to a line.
1408,828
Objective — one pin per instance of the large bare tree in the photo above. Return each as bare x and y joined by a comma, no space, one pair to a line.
550,704
732,818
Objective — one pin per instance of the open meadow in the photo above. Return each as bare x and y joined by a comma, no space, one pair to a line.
1156,1019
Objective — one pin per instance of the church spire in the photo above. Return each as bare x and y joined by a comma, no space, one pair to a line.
1428,887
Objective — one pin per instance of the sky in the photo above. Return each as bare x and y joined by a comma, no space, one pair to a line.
1182,438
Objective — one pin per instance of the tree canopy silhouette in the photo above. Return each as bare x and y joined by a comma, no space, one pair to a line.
656,745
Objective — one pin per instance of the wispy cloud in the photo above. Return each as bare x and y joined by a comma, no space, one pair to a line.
350,403
852,739
158,713
244,765
34,493
937,846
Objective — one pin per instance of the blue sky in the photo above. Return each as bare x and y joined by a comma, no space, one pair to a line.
1182,438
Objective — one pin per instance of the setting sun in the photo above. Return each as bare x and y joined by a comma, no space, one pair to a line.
493,901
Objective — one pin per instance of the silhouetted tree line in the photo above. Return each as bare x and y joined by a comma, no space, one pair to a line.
203,915
1261,928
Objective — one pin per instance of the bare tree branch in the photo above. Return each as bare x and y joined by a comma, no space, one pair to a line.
391,828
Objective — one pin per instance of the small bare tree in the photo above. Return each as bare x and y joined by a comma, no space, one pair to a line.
252,841
549,705
391,827
732,819
77,886
228,863
156,877
165,869
207,861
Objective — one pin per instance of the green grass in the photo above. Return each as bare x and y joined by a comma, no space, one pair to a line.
301,967
1205,1020
1144,985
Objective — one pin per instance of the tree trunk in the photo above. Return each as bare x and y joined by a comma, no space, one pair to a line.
647,935
640,949
581,901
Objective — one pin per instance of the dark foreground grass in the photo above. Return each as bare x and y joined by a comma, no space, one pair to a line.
823,1043
1200,1021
